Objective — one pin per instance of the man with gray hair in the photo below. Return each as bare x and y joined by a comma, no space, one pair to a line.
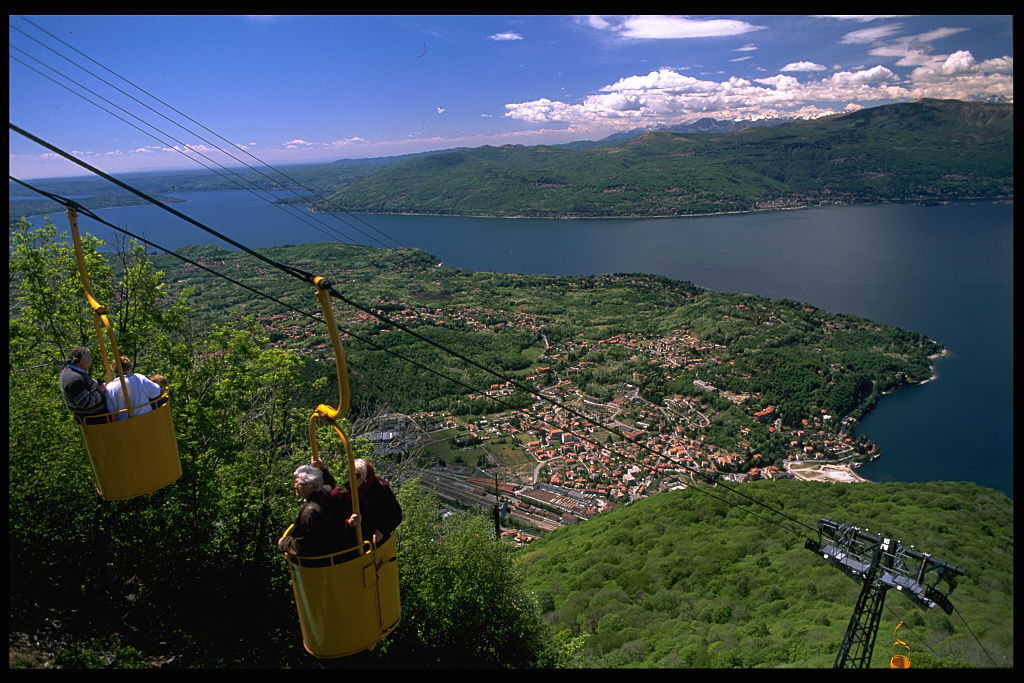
82,395
320,528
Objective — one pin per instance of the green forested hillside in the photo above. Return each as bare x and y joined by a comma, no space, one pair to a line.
935,149
688,580
190,576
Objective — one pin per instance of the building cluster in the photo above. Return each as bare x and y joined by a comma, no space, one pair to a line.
641,448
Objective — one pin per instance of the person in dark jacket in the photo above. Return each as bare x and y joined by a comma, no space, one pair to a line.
320,527
379,510
82,395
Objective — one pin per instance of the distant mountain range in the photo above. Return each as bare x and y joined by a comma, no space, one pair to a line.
923,150
927,149
705,125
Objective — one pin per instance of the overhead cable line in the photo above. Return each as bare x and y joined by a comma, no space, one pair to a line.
305,277
583,437
322,205
85,211
287,208
976,639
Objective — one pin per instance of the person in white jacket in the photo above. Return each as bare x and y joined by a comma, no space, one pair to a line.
141,390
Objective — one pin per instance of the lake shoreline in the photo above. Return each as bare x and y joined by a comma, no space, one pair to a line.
636,217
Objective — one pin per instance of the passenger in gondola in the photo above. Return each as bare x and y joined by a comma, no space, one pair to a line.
320,527
82,395
161,382
141,391
379,509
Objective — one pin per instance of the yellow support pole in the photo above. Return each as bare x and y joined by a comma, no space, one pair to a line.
326,412
100,321
322,285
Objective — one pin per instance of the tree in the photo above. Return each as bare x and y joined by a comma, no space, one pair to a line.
464,602
51,314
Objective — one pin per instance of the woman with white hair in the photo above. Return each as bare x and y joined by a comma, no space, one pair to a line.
320,527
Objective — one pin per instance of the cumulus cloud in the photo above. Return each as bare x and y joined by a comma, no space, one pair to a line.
667,96
877,74
803,66
598,22
508,35
959,74
661,27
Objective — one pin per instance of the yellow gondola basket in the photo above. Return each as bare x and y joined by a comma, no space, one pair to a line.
132,457
899,660
347,601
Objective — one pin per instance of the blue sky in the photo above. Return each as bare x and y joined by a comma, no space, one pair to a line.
300,88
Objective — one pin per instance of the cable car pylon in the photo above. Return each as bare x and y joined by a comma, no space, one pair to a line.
880,564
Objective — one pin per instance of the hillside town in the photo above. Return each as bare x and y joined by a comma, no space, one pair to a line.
571,456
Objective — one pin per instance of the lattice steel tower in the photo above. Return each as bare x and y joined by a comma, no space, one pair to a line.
881,564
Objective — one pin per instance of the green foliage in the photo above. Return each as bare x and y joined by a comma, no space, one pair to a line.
51,314
929,148
684,579
464,603
191,573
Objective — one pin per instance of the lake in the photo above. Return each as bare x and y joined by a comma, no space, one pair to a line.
944,271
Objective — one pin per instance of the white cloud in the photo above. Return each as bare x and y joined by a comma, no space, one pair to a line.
741,59
440,110
913,50
937,34
660,27
853,106
746,48
508,35
803,66
666,96
960,63
870,35
780,82
876,74
861,18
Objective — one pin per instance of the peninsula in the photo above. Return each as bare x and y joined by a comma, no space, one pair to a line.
638,383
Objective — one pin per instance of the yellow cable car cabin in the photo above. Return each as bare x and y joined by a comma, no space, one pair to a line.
134,456
347,601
